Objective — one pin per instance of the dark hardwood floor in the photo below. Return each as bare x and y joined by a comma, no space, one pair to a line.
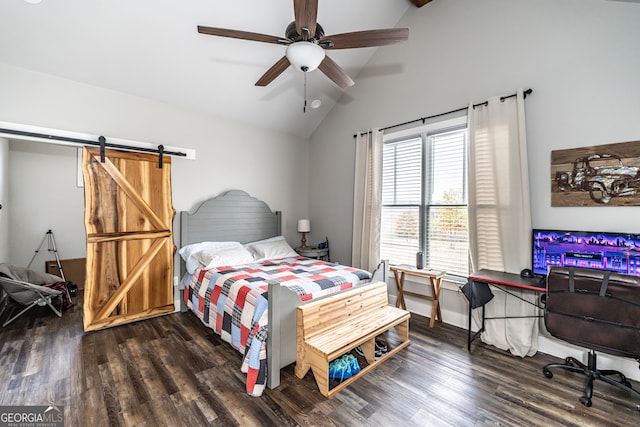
173,371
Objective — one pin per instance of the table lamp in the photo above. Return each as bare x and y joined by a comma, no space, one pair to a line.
304,226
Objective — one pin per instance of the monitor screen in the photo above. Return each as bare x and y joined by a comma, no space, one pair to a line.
619,252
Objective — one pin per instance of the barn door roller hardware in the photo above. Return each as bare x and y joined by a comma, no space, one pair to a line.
102,143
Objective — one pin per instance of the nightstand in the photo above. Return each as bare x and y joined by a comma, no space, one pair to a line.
314,252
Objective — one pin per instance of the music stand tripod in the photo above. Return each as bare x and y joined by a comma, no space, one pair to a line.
51,247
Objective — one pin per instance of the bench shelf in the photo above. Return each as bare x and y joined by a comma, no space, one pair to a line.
333,326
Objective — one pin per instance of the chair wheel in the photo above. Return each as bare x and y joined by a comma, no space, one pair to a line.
585,401
547,373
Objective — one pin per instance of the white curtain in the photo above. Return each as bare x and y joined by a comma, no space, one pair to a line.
367,195
500,215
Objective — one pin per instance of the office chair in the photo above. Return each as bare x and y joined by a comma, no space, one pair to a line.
598,310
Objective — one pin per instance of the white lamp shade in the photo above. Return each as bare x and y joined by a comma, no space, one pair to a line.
305,54
304,226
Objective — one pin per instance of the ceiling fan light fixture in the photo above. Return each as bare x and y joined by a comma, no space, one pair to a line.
305,56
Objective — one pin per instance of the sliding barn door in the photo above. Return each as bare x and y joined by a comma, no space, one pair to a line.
128,220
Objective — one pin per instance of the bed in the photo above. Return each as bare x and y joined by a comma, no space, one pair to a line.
258,297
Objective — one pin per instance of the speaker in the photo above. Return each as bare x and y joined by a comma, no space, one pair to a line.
419,261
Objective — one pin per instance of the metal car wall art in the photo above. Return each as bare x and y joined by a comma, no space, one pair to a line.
603,175
596,176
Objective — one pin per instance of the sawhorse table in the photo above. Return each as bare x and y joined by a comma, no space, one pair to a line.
435,280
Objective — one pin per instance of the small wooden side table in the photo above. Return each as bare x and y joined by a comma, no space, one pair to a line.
435,279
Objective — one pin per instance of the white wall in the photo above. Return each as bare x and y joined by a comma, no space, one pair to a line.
579,56
44,196
43,193
4,195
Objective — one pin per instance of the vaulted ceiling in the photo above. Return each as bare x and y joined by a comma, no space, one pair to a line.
151,48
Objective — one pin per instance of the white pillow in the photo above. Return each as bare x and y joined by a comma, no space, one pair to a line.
189,251
236,255
272,248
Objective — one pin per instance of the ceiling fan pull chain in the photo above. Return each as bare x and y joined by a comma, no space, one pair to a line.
304,107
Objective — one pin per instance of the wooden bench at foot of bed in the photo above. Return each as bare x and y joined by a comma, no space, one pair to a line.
335,325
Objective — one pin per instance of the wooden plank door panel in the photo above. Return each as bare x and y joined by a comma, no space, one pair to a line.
128,221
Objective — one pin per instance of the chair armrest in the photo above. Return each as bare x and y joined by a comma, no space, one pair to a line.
30,286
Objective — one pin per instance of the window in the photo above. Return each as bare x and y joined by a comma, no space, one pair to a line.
424,198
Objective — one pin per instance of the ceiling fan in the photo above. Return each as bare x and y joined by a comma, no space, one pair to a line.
306,43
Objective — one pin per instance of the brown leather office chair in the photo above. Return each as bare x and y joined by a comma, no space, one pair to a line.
598,310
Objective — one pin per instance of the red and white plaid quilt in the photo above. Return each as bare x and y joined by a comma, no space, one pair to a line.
233,301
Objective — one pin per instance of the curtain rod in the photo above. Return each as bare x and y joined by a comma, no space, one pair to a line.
457,110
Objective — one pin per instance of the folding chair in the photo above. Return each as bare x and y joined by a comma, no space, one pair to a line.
29,295
25,287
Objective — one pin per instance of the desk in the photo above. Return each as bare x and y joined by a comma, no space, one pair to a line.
435,279
491,277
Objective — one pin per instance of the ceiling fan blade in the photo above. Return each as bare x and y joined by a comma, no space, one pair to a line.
273,72
335,73
368,38
306,13
245,35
